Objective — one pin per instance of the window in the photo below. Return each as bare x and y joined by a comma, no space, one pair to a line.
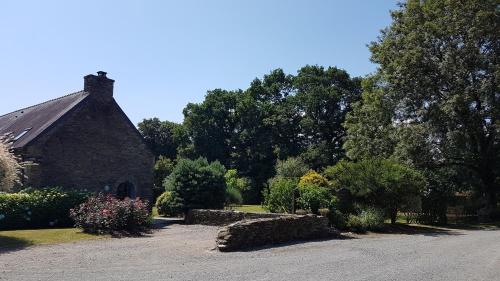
20,135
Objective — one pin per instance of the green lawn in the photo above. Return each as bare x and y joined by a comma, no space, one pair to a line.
250,208
22,238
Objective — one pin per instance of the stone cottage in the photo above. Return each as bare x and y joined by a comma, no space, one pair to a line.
82,140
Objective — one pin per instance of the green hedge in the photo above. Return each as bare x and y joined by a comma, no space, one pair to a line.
38,208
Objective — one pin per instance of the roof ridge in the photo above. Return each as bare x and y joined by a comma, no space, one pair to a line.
51,100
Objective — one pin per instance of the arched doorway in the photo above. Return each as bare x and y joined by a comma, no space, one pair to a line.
125,190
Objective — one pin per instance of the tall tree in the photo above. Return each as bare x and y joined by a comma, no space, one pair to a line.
163,137
440,60
323,98
370,128
278,116
211,124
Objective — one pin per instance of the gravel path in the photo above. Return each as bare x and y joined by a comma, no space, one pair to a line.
180,252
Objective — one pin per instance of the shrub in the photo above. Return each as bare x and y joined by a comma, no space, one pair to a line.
235,186
106,214
200,184
162,169
169,204
369,219
38,208
234,181
281,194
313,197
378,182
9,167
293,167
313,178
337,219
233,196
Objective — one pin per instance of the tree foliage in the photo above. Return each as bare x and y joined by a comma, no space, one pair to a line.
163,137
439,61
277,117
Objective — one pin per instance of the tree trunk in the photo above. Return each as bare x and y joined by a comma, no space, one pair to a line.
490,196
394,215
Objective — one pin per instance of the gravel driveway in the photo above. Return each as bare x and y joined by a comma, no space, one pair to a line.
181,252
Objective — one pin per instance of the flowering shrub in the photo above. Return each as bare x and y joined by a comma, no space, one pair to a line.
38,208
106,214
9,166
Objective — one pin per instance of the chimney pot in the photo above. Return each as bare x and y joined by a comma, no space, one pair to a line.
101,73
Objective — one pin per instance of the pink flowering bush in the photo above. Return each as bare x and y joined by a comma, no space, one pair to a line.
107,214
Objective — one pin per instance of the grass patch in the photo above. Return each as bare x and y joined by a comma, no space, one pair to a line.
22,238
249,208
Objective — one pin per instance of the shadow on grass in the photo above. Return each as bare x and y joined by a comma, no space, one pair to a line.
9,244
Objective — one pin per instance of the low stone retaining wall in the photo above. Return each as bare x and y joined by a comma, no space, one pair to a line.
259,232
221,217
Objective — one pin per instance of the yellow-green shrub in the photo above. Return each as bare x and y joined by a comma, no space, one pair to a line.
313,178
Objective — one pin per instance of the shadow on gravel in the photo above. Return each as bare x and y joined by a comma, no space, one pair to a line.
290,243
10,244
162,222
475,226
417,230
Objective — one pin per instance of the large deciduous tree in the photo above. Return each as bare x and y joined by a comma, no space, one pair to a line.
440,62
277,117
163,137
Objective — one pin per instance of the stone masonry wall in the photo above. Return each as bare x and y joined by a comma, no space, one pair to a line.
259,232
221,217
93,148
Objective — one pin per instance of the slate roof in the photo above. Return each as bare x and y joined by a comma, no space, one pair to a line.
28,123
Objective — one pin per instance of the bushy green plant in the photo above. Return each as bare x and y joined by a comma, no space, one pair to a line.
233,196
369,219
293,167
107,214
38,208
162,169
313,178
169,204
235,186
280,196
383,183
337,219
200,184
234,181
313,197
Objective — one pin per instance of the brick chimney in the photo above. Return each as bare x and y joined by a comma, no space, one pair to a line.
99,86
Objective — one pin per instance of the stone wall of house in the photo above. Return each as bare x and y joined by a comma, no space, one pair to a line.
259,232
223,217
94,147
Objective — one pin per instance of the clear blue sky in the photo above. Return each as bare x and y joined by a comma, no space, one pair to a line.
164,54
